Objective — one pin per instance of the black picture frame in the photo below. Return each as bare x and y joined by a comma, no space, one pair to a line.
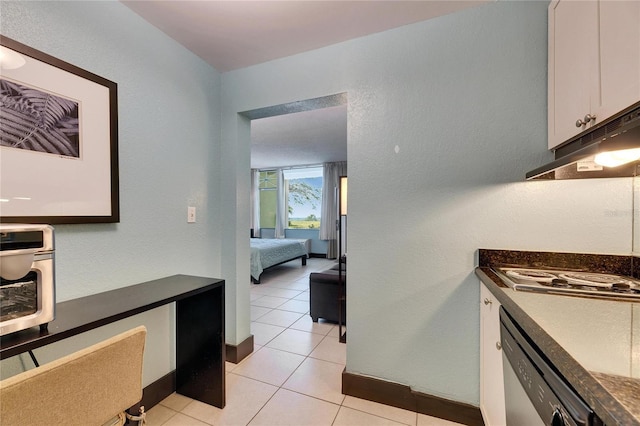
40,182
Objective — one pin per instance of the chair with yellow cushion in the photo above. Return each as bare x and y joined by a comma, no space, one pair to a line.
94,386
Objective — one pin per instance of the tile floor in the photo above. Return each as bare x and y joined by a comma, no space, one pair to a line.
293,377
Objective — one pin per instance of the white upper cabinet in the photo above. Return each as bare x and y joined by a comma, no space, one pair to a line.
594,63
573,71
619,55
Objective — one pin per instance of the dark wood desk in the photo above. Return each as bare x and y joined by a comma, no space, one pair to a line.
200,344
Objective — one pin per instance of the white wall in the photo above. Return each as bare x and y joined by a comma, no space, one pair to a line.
464,99
169,132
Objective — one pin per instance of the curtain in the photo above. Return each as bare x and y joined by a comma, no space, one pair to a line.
255,202
329,218
282,212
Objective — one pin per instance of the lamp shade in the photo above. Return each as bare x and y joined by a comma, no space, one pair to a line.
343,195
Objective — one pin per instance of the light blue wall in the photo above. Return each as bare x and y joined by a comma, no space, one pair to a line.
169,138
463,97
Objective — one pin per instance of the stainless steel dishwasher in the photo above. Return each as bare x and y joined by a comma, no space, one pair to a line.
535,394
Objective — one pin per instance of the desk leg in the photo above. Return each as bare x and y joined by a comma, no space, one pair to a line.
200,347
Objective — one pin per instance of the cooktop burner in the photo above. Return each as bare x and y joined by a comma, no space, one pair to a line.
531,275
587,284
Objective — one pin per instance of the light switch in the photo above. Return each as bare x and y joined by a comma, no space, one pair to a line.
191,214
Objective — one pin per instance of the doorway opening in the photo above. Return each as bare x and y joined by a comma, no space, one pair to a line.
296,138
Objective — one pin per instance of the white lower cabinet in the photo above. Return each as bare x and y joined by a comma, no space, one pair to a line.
491,376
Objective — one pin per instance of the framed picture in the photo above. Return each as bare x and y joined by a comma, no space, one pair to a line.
58,140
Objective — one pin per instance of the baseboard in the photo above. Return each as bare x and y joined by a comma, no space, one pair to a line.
401,396
155,392
236,353
447,409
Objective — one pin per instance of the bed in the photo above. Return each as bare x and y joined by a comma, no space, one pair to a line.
268,252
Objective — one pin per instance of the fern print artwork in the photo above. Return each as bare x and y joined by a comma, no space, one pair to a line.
38,121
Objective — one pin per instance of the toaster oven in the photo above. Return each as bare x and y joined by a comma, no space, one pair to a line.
27,277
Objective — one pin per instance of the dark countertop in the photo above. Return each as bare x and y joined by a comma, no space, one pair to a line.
594,343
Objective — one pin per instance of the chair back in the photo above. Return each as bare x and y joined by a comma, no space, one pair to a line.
88,387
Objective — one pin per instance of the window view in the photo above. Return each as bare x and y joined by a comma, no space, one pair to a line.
303,190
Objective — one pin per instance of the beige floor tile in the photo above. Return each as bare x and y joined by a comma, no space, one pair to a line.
203,412
275,292
257,312
319,264
330,349
159,415
306,324
434,421
245,397
335,331
280,318
303,296
264,333
182,420
229,366
293,305
291,408
269,301
176,402
300,284
317,378
350,417
296,341
269,365
393,413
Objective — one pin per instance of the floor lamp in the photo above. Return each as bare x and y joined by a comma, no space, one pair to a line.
342,258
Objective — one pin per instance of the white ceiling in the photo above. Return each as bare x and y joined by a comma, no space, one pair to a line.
235,34
301,138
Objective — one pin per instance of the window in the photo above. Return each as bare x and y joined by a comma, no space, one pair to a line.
268,185
303,190
304,196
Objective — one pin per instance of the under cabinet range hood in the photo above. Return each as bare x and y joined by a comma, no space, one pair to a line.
576,159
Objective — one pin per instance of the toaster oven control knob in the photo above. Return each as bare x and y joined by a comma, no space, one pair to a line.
557,419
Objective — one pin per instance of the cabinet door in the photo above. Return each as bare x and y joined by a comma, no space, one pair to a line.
619,56
491,376
573,71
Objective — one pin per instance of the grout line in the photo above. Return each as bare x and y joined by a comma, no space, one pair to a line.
303,361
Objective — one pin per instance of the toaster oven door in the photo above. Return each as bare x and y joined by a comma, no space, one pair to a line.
28,301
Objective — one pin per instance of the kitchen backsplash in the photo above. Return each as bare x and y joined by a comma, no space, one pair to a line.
612,264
